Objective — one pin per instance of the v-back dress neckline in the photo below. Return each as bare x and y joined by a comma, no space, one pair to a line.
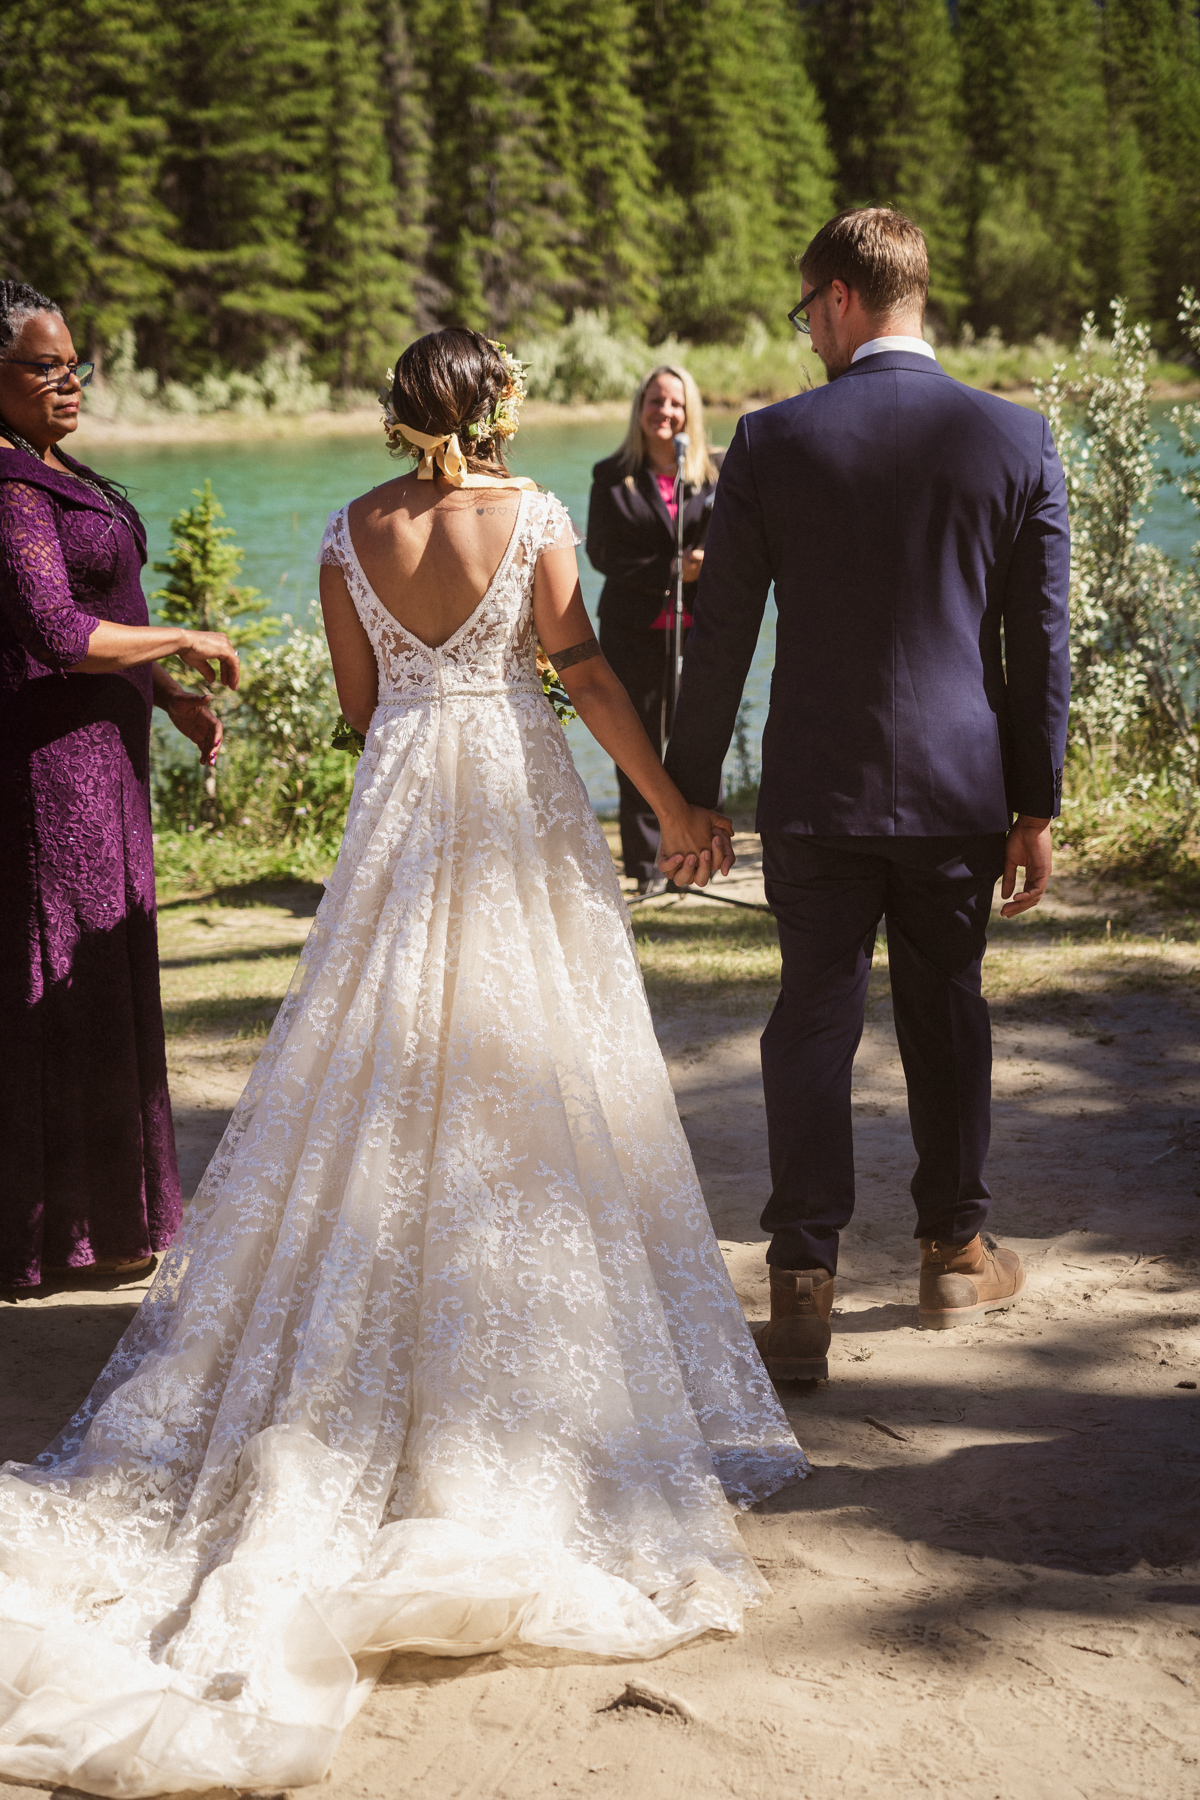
446,643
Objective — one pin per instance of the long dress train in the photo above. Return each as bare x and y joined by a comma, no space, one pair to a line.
446,1354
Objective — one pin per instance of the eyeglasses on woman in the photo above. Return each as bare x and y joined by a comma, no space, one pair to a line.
56,374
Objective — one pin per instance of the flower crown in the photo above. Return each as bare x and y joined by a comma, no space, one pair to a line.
500,423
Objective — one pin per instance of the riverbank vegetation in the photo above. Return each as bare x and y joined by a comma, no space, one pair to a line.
1132,783
274,807
590,361
238,203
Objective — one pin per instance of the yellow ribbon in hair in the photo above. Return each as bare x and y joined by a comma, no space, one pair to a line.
446,452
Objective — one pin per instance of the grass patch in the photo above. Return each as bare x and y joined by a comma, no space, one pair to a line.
226,968
1066,977
228,959
693,950
189,864
236,1019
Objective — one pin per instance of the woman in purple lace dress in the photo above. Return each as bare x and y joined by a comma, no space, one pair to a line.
88,1179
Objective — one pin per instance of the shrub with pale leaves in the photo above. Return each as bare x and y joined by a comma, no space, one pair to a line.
1135,629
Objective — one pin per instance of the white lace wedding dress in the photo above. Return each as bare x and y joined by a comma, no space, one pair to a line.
446,1355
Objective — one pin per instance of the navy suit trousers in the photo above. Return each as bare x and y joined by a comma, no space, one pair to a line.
828,895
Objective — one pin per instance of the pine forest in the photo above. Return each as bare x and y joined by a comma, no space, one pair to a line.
225,178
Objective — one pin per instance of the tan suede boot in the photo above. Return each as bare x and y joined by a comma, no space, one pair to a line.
795,1344
961,1284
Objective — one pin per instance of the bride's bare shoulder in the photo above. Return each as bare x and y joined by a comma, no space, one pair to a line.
404,497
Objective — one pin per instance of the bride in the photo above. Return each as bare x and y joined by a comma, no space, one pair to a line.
445,1356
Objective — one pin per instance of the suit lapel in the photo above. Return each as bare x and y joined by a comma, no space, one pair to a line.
650,492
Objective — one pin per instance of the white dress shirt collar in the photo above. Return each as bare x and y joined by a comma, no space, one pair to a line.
875,346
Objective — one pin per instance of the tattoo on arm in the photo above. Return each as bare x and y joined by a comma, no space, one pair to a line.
566,659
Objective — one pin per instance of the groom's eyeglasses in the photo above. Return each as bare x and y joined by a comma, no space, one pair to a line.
794,315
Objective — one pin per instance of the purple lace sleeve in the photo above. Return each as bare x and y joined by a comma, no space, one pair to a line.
35,589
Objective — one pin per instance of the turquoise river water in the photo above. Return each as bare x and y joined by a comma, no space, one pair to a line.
277,494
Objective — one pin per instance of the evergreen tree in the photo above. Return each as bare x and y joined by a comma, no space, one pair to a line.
1039,161
888,76
81,142
405,104
1152,71
742,154
355,261
221,178
596,134
202,569
497,202
244,178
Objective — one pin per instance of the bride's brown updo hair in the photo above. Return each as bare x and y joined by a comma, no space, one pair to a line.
449,381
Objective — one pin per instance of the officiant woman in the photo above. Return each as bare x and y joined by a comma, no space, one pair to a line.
631,538
88,1180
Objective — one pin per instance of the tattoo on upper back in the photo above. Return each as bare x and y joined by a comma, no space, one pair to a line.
566,659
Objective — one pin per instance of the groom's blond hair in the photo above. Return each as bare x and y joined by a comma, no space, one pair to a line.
877,252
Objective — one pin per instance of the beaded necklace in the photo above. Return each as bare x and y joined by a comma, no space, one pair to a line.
24,444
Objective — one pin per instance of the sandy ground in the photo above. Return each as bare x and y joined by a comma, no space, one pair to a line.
989,1588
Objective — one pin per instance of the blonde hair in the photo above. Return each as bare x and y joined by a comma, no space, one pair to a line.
698,465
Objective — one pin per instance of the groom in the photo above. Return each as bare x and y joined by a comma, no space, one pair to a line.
916,534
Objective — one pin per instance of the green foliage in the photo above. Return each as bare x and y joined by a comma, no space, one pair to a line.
248,184
1135,716
82,140
203,861
201,592
742,157
496,197
1039,161
357,264
246,112
590,359
282,385
404,103
597,135
1152,73
282,777
889,80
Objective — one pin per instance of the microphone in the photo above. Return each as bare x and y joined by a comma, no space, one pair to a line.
681,441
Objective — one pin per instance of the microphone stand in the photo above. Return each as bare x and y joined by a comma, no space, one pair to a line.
673,671
674,635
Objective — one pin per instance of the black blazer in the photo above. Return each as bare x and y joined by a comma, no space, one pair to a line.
916,533
631,541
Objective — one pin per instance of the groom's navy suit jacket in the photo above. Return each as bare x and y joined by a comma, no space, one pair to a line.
916,533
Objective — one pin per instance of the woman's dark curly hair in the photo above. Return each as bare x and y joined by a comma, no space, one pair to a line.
452,380
18,302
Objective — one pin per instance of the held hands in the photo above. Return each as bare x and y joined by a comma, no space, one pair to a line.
203,648
692,561
194,717
1028,848
695,844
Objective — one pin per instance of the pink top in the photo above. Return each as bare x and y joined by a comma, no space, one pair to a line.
666,487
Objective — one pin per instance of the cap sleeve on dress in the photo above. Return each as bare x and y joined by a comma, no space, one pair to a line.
555,530
331,543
